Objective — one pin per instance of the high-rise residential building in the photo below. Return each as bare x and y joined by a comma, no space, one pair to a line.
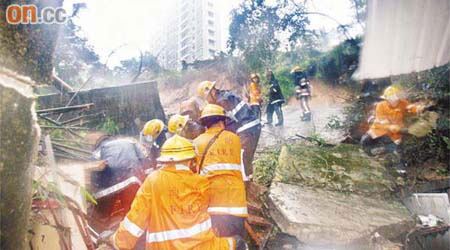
191,32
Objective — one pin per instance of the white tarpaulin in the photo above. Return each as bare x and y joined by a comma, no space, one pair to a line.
404,36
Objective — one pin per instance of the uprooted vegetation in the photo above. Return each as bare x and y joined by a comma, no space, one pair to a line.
343,168
431,88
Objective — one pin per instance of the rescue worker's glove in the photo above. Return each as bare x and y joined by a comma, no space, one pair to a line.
394,128
420,108
273,89
107,238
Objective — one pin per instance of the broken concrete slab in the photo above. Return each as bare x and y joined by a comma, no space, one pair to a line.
344,168
429,204
325,218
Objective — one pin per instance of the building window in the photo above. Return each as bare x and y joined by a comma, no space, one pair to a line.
210,14
211,32
211,42
211,23
210,4
212,52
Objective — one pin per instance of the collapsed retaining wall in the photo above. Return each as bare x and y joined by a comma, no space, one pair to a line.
130,106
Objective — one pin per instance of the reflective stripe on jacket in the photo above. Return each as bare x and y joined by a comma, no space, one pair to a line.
237,109
171,206
275,94
222,167
385,116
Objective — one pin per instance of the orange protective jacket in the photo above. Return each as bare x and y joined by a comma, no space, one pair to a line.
255,94
385,116
172,206
222,166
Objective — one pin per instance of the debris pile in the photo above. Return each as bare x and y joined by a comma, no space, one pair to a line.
343,168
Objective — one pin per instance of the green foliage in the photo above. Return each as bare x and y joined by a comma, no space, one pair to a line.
147,63
73,55
341,168
57,134
44,192
284,78
434,86
318,139
256,25
265,167
27,49
341,60
87,195
334,122
109,126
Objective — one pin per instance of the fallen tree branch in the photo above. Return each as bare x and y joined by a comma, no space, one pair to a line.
57,124
73,96
139,69
61,127
71,147
311,139
82,117
64,109
63,86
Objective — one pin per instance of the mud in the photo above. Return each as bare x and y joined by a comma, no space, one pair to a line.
327,102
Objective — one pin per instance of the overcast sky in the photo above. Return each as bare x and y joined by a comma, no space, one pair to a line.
130,25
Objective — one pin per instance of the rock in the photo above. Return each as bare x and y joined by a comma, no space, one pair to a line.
333,219
378,242
337,155
340,168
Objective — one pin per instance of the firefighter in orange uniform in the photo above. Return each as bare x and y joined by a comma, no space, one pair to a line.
219,159
185,126
171,206
244,121
390,119
255,94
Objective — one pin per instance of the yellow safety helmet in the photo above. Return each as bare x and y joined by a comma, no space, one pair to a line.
212,110
296,69
252,76
390,92
153,128
177,123
177,149
204,88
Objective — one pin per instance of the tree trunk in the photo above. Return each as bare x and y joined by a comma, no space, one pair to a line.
19,136
27,49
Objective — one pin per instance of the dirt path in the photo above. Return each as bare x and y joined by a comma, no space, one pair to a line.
326,102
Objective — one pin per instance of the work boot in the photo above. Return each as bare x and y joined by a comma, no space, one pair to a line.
306,117
279,113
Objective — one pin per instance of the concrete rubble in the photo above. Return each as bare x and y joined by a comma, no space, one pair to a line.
336,198
343,168
344,221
